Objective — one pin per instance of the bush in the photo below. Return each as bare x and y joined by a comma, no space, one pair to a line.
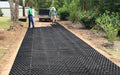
73,16
87,18
1,14
73,11
63,13
110,23
112,6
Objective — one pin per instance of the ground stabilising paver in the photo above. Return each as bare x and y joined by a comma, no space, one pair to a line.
56,51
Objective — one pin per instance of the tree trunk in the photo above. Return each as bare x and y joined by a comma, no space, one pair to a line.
16,10
23,10
11,9
23,7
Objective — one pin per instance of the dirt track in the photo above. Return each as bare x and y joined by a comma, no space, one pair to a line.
8,59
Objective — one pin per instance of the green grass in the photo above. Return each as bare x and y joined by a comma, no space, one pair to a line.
113,52
4,23
2,51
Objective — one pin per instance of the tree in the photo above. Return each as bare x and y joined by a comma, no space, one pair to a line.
111,5
58,3
11,9
28,2
42,4
23,3
14,10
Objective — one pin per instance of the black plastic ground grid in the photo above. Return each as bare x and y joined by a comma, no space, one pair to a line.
56,51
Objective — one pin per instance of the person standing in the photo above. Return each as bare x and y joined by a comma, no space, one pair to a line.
30,17
53,14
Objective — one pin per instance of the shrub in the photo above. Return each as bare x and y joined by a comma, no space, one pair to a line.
110,23
87,18
112,6
73,16
63,13
73,11
1,14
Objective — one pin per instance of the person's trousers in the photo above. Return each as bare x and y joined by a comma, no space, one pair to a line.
31,20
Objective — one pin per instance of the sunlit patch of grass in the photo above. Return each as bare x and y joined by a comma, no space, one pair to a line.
4,22
113,52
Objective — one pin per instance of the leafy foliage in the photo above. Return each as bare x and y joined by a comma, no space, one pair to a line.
41,4
109,20
63,13
111,5
110,23
1,14
87,17
21,2
73,11
58,3
28,2
38,3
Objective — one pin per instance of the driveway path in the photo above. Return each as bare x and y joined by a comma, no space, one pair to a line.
54,50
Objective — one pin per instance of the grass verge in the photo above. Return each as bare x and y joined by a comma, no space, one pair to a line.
4,24
113,52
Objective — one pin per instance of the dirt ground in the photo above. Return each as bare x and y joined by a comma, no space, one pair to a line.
13,39
10,39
